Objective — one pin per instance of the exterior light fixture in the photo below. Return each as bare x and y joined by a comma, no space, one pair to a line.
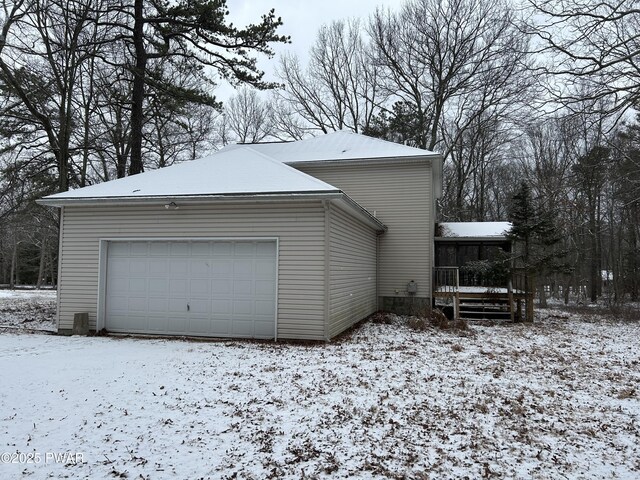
171,206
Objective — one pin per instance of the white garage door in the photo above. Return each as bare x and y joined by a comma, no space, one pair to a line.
204,288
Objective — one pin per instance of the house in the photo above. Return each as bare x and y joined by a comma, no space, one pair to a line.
287,240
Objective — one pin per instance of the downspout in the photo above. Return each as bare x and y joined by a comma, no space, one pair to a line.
327,267
60,240
378,301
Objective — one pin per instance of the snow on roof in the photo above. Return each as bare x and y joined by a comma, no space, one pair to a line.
474,229
341,145
234,171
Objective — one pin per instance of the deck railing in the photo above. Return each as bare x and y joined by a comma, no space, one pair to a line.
450,279
446,279
447,283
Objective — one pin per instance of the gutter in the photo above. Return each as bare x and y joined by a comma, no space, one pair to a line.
355,208
361,161
495,238
189,199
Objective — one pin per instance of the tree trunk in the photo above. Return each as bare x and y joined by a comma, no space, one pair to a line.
41,268
566,290
137,95
593,263
543,293
14,266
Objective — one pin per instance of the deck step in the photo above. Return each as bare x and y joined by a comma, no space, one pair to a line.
485,305
497,313
482,312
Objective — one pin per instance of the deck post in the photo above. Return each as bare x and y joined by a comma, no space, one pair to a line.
510,292
530,298
456,304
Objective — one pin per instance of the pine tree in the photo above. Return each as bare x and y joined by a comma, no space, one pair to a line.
196,32
536,237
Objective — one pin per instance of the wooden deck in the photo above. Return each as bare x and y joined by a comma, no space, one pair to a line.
472,302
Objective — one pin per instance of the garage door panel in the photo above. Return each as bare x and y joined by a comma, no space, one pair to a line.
178,266
138,285
176,324
139,249
118,266
221,307
117,304
138,304
200,268
177,305
160,249
200,287
266,249
221,287
178,287
201,249
265,269
158,286
119,285
242,287
224,249
243,268
264,307
198,306
179,249
158,266
247,249
158,324
138,266
158,305
221,267
242,328
264,287
215,288
199,325
119,322
119,249
221,325
263,329
242,308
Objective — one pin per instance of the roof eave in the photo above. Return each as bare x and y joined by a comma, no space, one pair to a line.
191,199
493,238
366,160
365,215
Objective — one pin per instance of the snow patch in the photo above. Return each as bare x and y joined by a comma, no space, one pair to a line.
553,399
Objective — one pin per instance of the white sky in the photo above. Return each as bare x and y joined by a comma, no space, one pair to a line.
301,20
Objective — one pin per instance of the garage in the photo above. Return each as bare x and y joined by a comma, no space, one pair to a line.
235,245
199,287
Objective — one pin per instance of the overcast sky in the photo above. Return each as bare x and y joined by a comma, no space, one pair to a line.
301,21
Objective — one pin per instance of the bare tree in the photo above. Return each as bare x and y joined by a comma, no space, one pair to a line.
443,57
248,118
287,124
460,72
593,49
42,46
339,88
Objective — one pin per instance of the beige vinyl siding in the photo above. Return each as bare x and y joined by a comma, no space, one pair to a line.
299,227
352,277
400,195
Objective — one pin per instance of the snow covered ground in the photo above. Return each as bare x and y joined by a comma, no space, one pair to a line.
28,310
556,399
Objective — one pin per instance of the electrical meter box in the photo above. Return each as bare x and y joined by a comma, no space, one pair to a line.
412,288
